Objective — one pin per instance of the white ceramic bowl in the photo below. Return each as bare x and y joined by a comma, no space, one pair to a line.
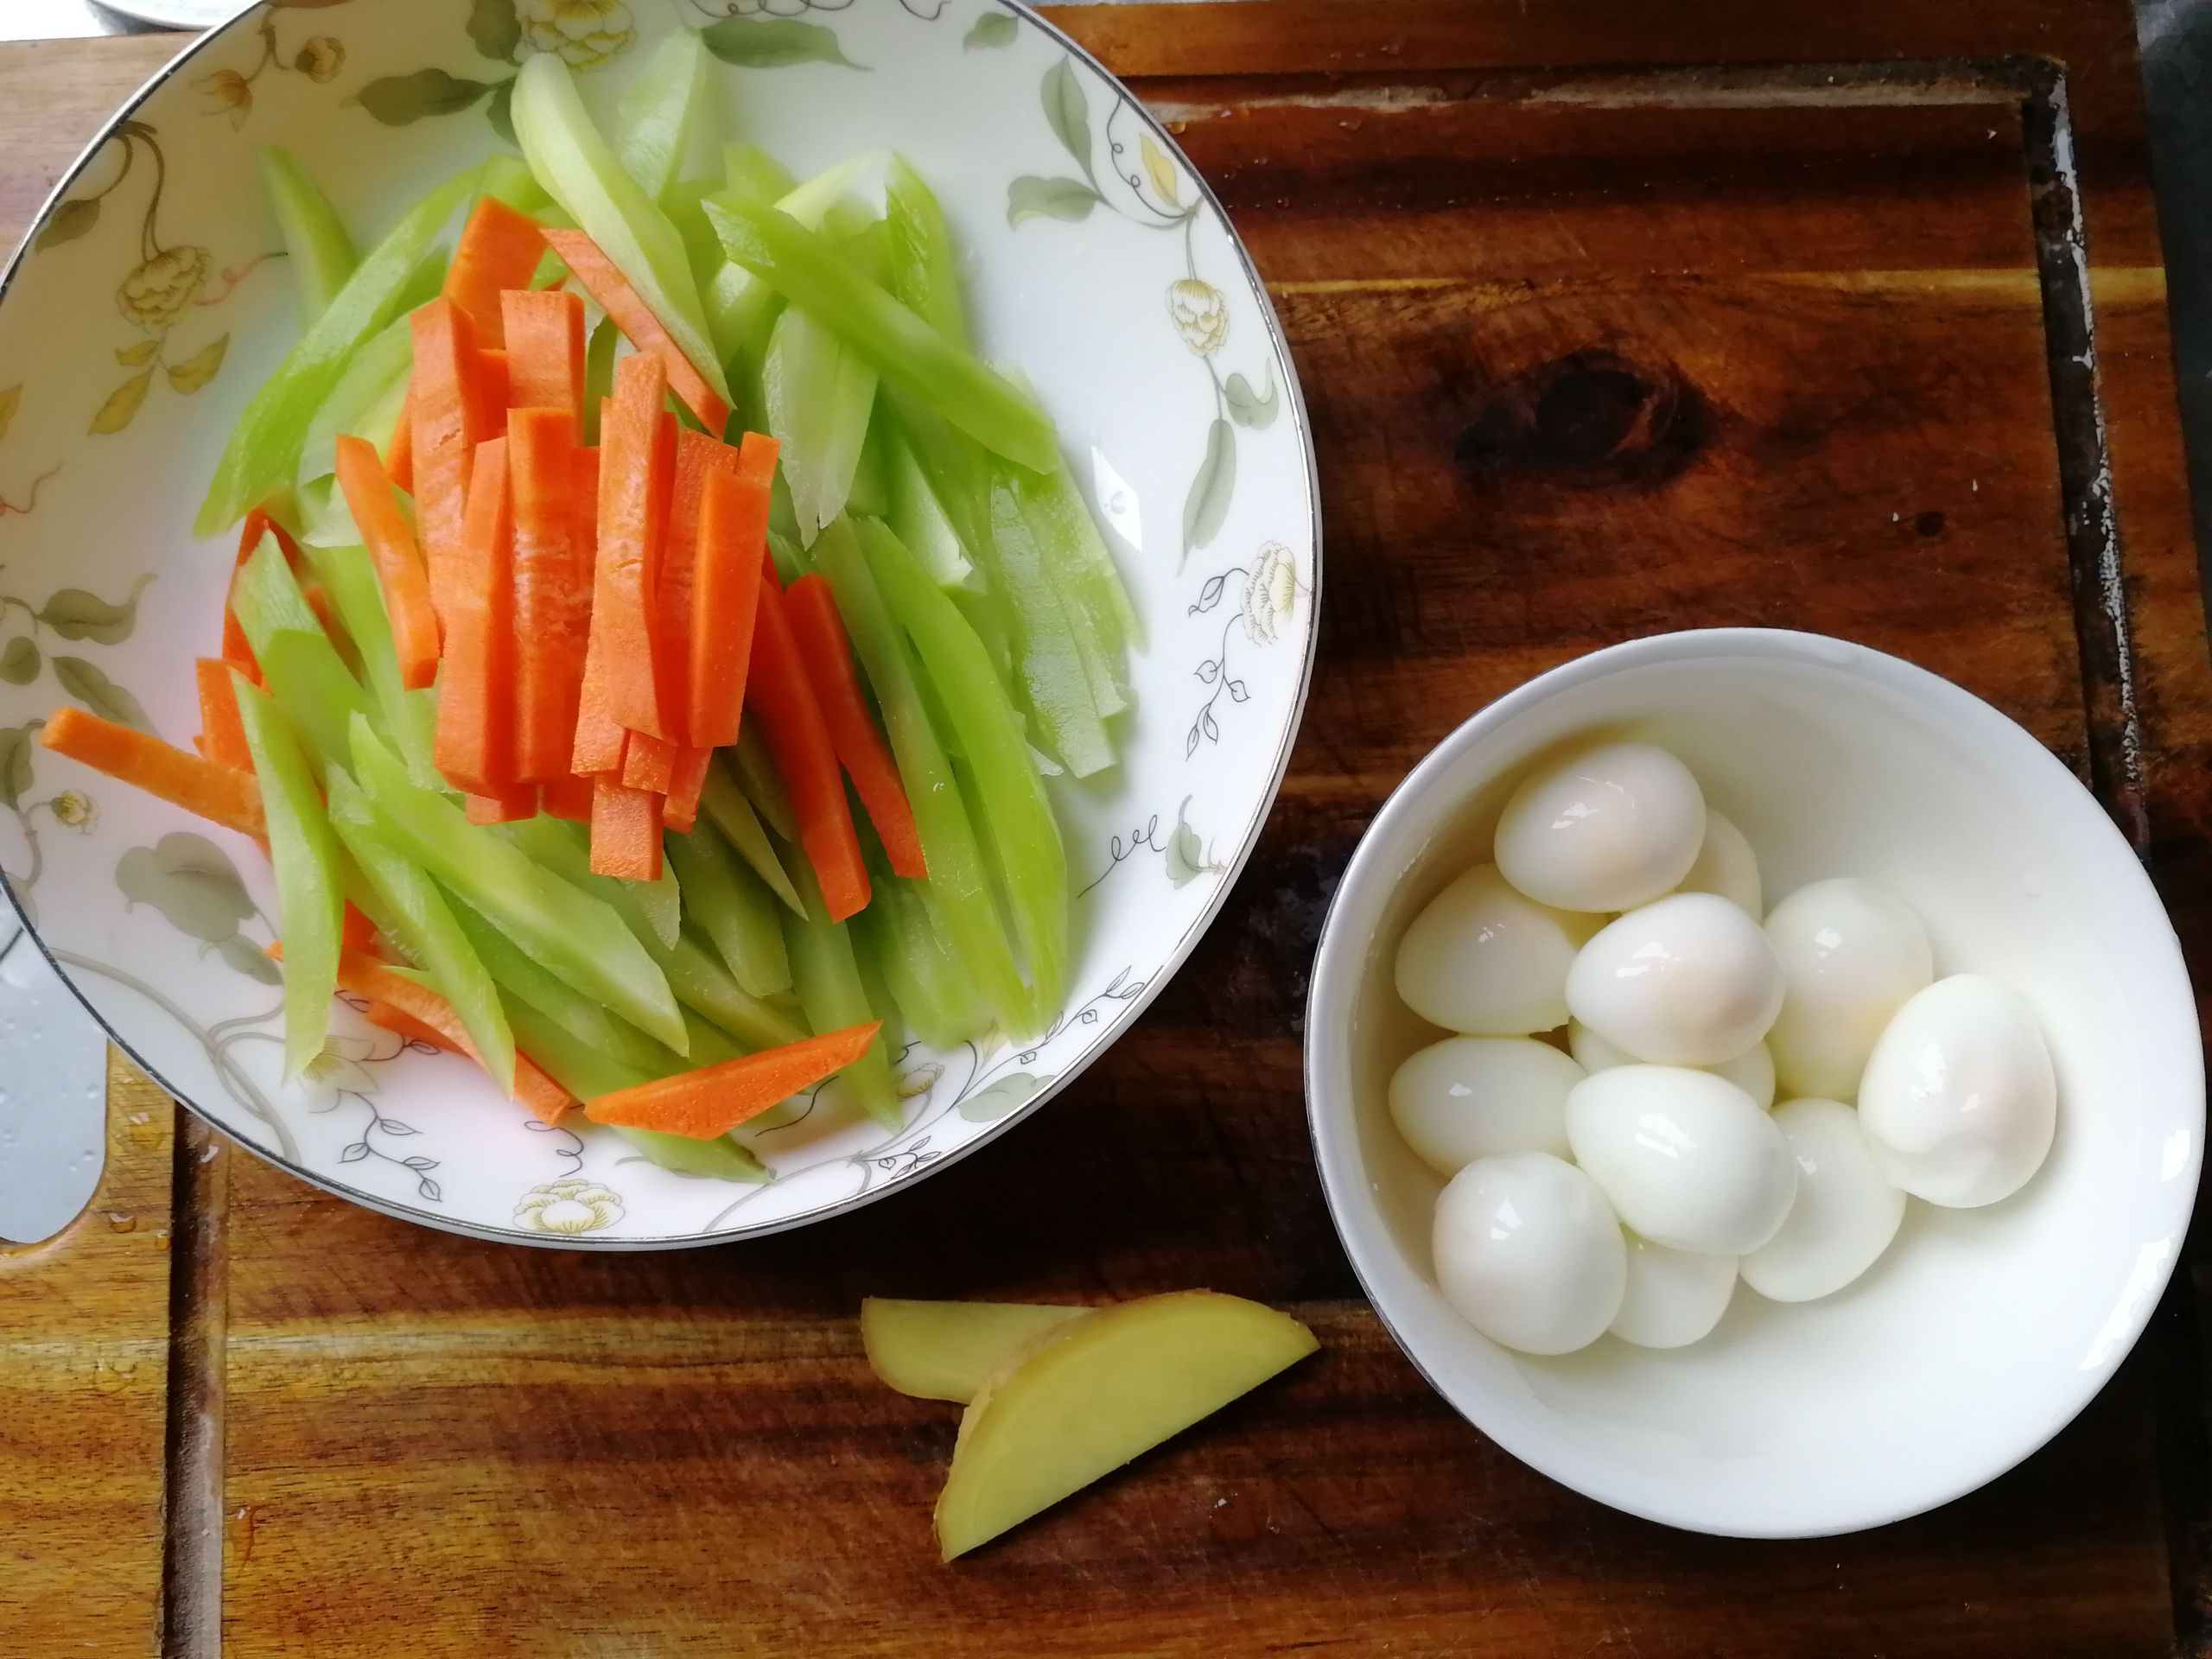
1981,1332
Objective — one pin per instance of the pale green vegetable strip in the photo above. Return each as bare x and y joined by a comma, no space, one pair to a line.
363,385
553,997
749,169
565,849
1077,554
756,772
1060,679
263,452
726,807
819,396
412,910
731,908
410,717
509,178
572,933
959,884
570,159
924,269
657,118
829,984
917,519
721,1159
1026,837
812,273
310,898
315,240
319,693
923,978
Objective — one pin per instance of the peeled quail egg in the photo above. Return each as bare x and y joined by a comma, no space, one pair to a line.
1528,1253
1752,1071
1845,1216
1484,960
1608,827
1726,866
1960,1101
1686,1158
1674,1297
1470,1097
1689,980
1852,954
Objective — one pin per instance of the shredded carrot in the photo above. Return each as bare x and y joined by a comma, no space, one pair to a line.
649,763
600,737
635,319
498,250
257,524
222,735
697,456
221,794
446,413
811,608
681,811
406,585
636,452
715,1099
552,592
473,744
489,389
624,831
399,459
546,350
733,540
510,805
367,977
799,739
356,930
387,1018
568,797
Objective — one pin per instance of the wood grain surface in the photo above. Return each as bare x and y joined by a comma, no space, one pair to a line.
1611,319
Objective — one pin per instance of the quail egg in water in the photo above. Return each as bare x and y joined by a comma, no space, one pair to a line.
1484,960
1608,827
1527,1252
1470,1097
1852,955
1752,1071
1673,1297
1688,981
1960,1101
1725,866
1845,1216
1684,1158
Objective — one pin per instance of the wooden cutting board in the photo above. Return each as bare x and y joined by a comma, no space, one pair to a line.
1611,318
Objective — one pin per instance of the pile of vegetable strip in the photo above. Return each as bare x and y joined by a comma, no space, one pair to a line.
651,626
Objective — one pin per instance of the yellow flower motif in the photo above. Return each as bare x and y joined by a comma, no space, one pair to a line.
1201,314
570,1207
227,90
1271,588
338,1070
584,32
321,58
920,1081
154,294
72,811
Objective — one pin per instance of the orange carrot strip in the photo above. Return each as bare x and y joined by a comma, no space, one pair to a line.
696,457
357,931
500,249
681,811
223,795
624,831
366,977
473,744
222,733
733,540
828,655
639,325
568,797
545,349
399,459
636,452
600,737
510,805
446,414
649,763
387,1017
715,1099
489,389
799,739
399,562
552,592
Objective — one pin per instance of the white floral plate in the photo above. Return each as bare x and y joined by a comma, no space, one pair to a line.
146,308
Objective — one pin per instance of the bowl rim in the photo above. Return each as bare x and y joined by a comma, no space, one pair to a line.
1336,982
1171,964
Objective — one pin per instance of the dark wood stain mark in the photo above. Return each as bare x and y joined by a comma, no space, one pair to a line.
191,1552
1591,420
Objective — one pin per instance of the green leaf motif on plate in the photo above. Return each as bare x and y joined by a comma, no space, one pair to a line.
1207,504
122,406
75,614
992,29
249,959
89,683
1035,198
500,112
71,220
773,43
1250,408
1068,111
1186,858
19,662
400,100
10,401
16,761
191,882
1003,1095
131,355
201,367
496,27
